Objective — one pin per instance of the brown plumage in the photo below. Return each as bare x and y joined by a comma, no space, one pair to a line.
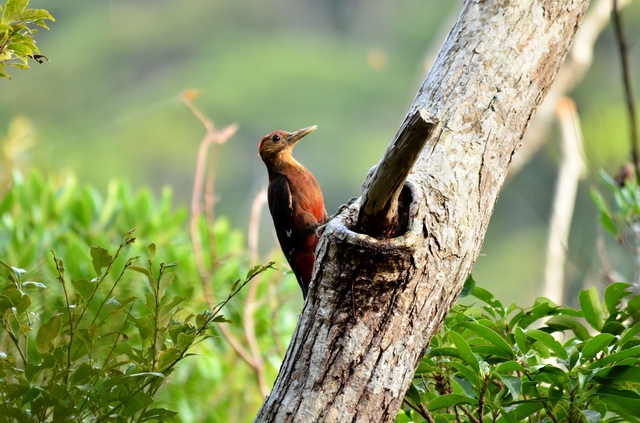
295,202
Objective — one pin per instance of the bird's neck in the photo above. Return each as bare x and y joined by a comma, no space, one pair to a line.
283,163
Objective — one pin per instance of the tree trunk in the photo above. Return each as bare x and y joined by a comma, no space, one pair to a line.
374,304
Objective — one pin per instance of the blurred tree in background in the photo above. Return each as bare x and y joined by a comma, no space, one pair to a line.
109,98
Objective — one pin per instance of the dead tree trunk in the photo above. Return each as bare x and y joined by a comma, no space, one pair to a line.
375,303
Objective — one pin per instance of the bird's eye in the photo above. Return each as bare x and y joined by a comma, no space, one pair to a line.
276,138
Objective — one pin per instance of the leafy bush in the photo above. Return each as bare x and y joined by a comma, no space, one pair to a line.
505,364
103,363
16,36
58,212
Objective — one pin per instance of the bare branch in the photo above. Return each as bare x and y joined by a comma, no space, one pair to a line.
218,139
572,169
628,89
379,212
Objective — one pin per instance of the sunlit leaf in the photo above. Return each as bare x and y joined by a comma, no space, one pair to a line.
549,341
100,259
84,287
465,352
449,400
616,357
614,294
564,322
490,336
595,345
591,307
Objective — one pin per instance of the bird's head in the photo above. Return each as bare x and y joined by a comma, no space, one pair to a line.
278,144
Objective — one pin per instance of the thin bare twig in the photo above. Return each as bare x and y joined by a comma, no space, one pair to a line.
628,90
420,409
471,417
250,304
218,139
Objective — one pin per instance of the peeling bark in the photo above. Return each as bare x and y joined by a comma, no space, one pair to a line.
374,304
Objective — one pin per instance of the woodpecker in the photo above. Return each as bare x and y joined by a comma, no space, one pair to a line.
295,202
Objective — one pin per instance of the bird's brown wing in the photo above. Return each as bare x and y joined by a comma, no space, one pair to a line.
280,206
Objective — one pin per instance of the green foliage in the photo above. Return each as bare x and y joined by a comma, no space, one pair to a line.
515,364
57,212
621,214
100,356
16,36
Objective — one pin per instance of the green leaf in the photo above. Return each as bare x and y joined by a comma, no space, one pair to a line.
20,50
33,285
147,273
12,10
486,296
629,334
167,309
84,288
35,14
619,399
490,336
144,326
465,351
543,307
524,409
521,340
591,307
563,322
618,374
100,258
467,373
133,404
159,414
633,308
47,333
220,319
449,400
614,294
82,374
185,340
3,73
613,327
152,252
514,384
14,298
167,357
607,223
613,358
469,286
413,394
509,367
548,340
558,376
444,352
595,345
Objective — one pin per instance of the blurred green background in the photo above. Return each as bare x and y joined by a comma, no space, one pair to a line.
107,107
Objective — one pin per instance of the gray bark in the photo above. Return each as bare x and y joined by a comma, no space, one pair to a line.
374,304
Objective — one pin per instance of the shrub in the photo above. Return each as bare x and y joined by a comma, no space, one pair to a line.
16,34
101,356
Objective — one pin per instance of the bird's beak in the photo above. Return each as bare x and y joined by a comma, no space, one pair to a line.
300,133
